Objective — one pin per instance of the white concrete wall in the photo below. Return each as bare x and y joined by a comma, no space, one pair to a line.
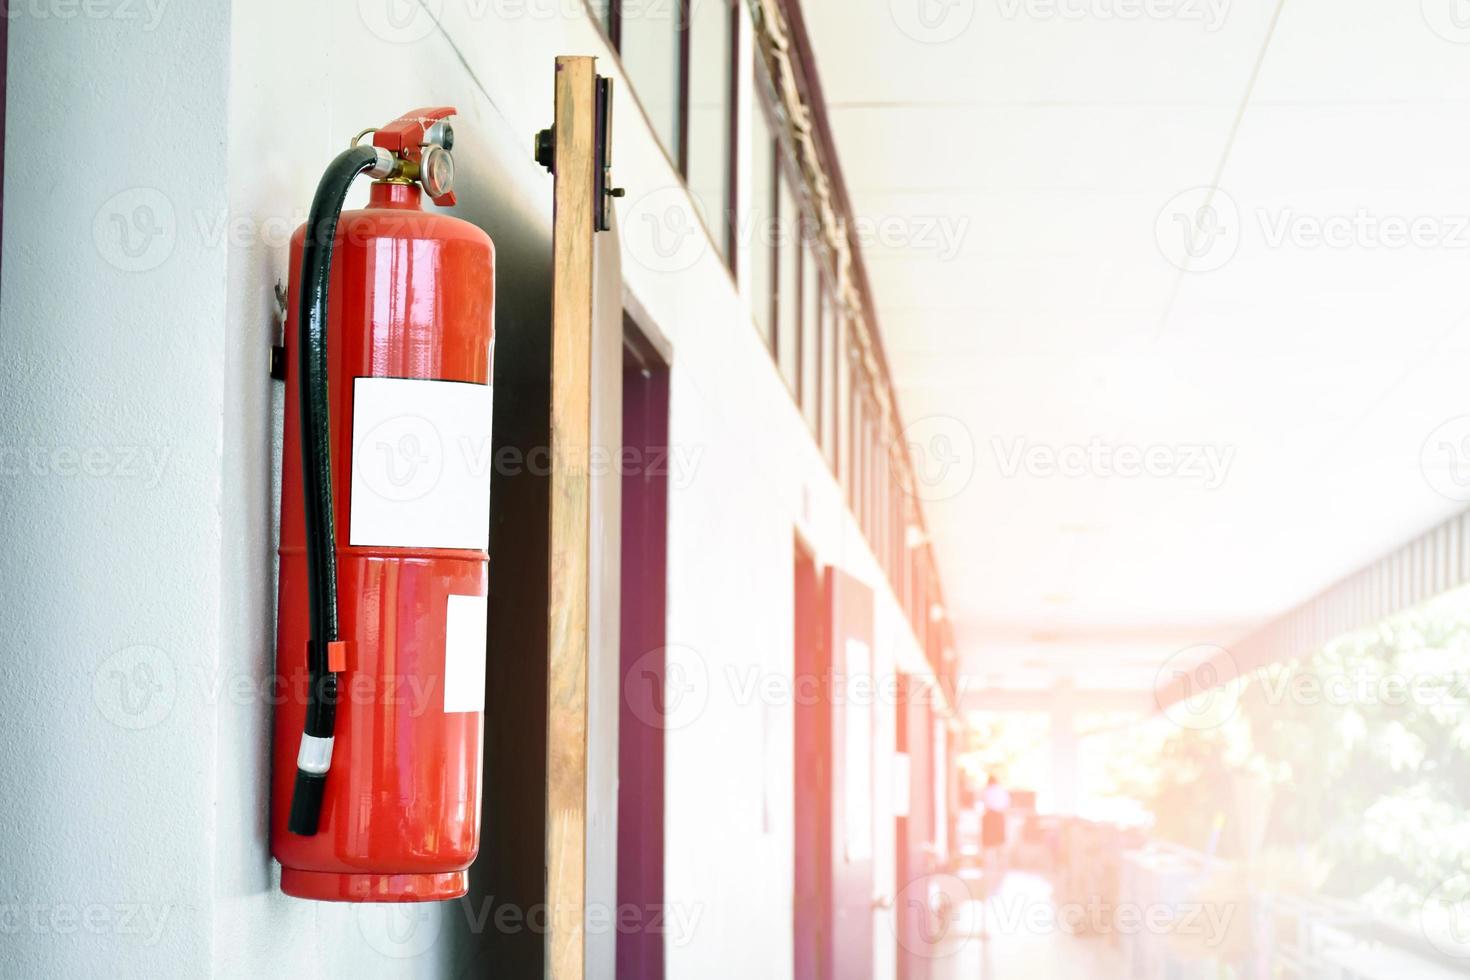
138,580
113,342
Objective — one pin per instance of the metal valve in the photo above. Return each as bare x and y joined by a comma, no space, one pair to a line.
418,144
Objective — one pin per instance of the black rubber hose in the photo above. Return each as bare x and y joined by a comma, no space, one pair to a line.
316,469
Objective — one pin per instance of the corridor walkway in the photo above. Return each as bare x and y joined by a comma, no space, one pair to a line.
1024,943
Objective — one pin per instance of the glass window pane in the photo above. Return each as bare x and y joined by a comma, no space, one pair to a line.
880,500
602,12
895,526
882,508
709,115
875,485
649,46
865,471
788,288
874,503
760,220
842,393
854,444
828,384
862,478
811,287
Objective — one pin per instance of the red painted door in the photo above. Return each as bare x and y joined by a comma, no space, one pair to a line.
915,828
640,951
812,770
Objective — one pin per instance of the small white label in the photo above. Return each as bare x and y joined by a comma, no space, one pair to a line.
464,653
902,773
420,464
858,748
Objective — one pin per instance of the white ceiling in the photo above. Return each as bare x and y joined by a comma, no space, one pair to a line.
1052,147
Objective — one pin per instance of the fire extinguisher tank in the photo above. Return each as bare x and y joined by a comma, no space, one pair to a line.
409,341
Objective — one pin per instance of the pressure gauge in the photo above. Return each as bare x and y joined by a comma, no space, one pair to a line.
436,170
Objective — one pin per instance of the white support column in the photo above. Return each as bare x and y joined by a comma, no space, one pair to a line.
1064,748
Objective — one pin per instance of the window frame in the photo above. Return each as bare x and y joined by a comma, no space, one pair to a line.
784,179
678,155
850,433
681,112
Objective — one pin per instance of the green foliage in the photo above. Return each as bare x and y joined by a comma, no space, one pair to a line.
1362,752
1012,745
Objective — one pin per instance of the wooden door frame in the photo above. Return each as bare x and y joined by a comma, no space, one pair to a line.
583,567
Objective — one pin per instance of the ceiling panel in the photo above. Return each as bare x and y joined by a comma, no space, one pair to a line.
1367,51
1029,51
1030,173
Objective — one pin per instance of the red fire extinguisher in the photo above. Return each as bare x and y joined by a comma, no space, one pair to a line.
384,531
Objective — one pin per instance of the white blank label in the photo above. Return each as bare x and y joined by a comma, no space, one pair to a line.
464,653
858,748
420,464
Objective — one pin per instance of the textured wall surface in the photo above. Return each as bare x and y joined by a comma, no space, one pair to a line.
145,227
113,333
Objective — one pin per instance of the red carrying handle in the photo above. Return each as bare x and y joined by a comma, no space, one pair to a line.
405,135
